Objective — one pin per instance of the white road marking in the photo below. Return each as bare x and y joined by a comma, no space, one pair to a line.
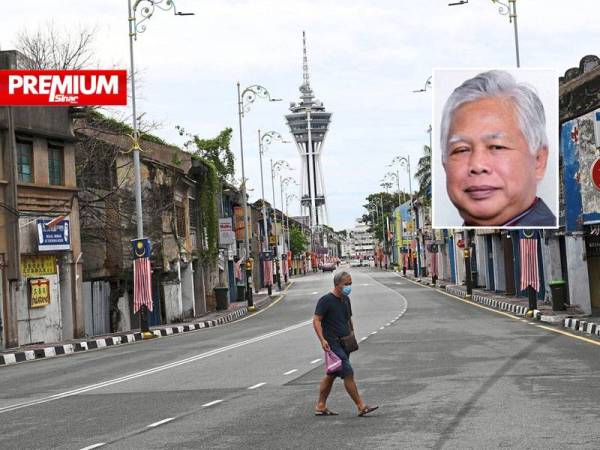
313,293
160,422
289,372
314,361
206,405
94,446
153,370
388,324
373,332
362,339
381,328
365,284
256,386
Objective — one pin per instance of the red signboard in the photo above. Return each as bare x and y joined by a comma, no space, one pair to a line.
63,87
596,173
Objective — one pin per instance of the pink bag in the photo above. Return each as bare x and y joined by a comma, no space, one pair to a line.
332,362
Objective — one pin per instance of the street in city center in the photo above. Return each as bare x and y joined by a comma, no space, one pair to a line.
445,373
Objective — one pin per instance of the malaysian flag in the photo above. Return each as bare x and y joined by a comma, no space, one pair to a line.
528,244
142,288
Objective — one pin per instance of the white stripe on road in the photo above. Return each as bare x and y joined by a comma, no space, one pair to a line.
381,328
363,339
373,332
256,386
313,293
206,405
154,370
289,372
314,361
160,422
94,446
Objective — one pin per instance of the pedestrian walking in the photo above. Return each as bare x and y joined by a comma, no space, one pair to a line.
333,324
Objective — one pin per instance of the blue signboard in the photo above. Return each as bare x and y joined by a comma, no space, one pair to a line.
56,237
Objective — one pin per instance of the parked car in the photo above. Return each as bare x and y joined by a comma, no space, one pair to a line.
355,263
328,267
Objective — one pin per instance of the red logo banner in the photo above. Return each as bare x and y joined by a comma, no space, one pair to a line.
63,87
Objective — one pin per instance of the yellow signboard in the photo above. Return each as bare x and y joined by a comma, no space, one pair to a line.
38,266
40,292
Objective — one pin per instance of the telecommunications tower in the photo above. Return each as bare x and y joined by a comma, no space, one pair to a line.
308,124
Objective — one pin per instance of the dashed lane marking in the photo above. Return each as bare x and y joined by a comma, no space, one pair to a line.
256,386
314,361
100,444
289,372
152,370
160,422
373,332
381,328
216,402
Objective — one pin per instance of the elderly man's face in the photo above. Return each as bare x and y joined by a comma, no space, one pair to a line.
491,176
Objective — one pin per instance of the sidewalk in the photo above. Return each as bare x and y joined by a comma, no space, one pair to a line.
235,311
573,317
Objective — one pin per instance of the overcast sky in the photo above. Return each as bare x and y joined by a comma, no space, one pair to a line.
365,58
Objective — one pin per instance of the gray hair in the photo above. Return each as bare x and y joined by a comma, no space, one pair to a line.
498,83
339,276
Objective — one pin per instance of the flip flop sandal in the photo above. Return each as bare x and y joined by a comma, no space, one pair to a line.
326,412
366,410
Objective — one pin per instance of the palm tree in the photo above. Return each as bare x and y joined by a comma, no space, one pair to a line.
423,174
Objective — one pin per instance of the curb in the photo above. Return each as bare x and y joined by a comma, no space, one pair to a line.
582,326
92,344
496,304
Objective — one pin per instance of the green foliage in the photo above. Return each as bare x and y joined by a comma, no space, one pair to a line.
424,175
103,122
298,242
210,216
374,219
215,150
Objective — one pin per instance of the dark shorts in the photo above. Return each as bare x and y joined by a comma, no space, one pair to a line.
346,368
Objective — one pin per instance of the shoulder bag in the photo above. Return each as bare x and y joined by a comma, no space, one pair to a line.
349,343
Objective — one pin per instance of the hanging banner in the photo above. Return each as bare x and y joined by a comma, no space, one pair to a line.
226,234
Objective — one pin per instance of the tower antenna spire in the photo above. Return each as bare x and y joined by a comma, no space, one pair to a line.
305,61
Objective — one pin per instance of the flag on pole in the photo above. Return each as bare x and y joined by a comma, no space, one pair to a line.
528,244
142,287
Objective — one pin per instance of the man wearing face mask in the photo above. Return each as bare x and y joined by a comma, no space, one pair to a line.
331,321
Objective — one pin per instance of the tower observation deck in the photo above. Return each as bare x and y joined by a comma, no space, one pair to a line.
308,124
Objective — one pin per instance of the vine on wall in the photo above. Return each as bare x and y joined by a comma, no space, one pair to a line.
208,207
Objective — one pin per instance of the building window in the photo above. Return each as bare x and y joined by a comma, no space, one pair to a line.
25,161
180,217
55,164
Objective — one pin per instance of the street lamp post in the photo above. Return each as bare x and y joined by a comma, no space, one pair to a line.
283,182
505,9
245,99
263,142
136,27
405,162
276,167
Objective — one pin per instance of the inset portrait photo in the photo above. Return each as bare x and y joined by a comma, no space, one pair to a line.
494,160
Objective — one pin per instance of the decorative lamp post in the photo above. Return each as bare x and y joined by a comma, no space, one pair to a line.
506,9
264,140
283,182
405,162
276,168
245,100
142,274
